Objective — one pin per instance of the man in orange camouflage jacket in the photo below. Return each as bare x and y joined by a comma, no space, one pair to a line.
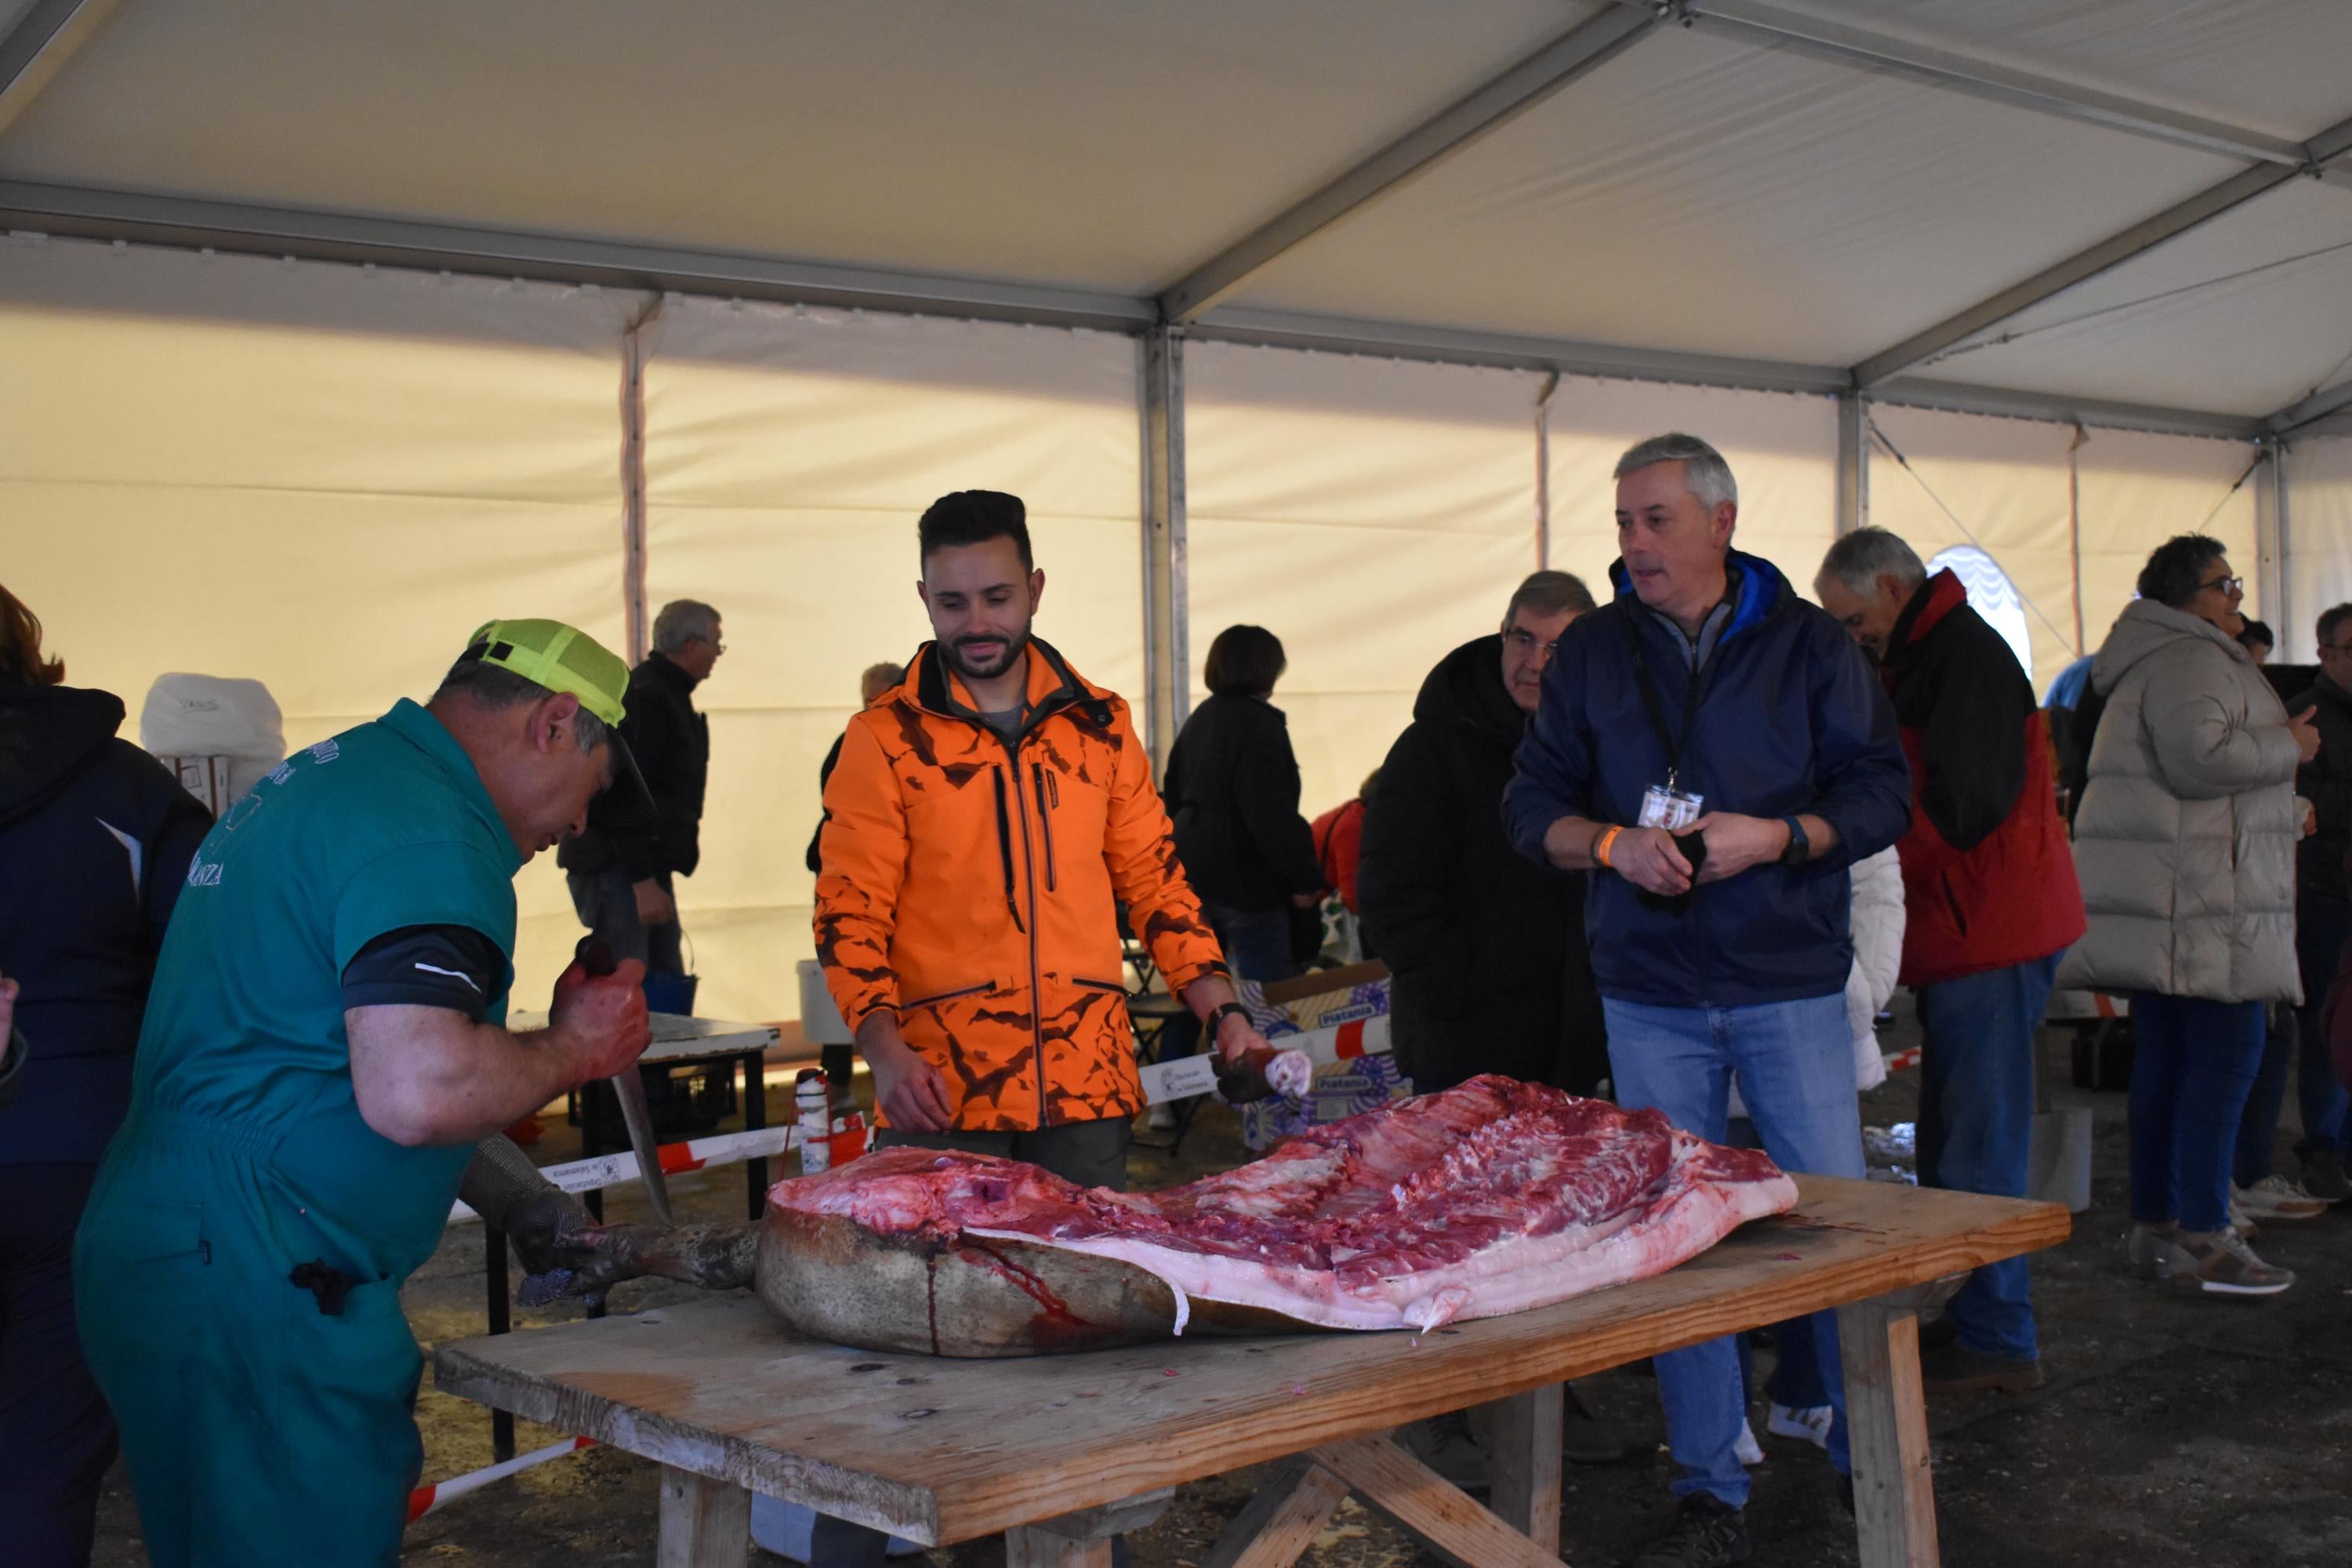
986,817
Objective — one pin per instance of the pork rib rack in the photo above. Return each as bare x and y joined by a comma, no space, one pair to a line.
1490,1198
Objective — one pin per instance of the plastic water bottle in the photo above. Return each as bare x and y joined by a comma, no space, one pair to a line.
815,1105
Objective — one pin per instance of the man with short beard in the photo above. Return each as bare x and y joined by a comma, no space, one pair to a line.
987,817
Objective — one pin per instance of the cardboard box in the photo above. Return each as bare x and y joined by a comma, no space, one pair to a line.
206,778
1321,1000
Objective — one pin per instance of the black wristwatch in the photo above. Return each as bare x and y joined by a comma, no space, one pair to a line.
1801,848
1217,1018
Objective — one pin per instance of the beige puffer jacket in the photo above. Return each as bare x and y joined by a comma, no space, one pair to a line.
2187,832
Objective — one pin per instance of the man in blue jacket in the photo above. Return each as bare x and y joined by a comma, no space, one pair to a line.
1718,753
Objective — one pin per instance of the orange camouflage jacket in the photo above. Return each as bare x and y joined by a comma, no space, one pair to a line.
971,882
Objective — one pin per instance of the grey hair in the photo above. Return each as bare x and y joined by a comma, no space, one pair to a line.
1704,470
495,687
683,620
1862,557
1549,594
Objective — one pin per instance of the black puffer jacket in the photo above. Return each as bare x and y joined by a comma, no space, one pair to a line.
95,840
1487,950
1233,793
672,744
2326,780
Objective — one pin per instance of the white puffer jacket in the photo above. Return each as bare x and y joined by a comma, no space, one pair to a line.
1877,959
2186,836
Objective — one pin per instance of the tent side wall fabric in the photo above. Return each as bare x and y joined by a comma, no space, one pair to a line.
320,477
324,478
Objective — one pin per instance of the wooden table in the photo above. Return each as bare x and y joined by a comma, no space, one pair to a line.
1060,1452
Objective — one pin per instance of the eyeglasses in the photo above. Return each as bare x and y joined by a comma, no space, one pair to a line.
2335,647
1525,643
2227,585
716,646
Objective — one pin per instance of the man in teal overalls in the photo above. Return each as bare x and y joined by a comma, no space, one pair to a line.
323,1049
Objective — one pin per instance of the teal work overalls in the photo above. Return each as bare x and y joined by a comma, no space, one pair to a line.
268,1421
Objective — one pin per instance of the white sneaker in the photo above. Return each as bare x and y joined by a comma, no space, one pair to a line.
1161,1118
2278,1197
1812,1423
1748,1450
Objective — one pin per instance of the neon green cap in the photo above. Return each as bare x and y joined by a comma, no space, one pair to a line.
559,658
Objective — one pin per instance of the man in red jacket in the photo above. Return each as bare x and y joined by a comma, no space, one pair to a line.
1991,903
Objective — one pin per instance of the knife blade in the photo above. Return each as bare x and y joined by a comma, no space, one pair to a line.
629,1088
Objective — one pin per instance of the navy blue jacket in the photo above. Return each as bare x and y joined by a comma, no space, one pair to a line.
1791,719
95,838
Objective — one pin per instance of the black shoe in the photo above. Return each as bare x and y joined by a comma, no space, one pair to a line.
1937,1332
1583,1440
1707,1533
1957,1369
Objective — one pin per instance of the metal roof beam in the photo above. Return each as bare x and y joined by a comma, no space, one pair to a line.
1283,329
2057,407
2143,236
2081,266
2317,406
392,242
1508,95
44,38
1776,28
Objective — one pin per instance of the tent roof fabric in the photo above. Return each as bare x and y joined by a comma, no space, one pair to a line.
1734,189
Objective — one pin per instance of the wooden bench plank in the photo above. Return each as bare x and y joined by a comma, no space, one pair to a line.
1281,1518
1429,1505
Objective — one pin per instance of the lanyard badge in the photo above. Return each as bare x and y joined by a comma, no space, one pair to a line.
1667,804
1664,806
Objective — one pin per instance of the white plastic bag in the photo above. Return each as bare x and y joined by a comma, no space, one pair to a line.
214,716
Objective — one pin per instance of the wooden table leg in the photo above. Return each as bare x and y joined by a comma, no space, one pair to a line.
1082,1540
1887,1426
1281,1520
1526,1436
705,1523
1429,1505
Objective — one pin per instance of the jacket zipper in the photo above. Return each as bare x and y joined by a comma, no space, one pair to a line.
1037,979
949,995
1046,820
1004,852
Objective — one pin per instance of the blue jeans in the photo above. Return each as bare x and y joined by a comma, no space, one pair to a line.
2193,1067
1795,1062
1976,1126
1796,1380
2320,932
1258,947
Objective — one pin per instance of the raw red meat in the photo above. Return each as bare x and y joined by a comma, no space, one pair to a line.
1490,1198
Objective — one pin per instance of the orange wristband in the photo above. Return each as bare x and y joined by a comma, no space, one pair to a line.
1600,846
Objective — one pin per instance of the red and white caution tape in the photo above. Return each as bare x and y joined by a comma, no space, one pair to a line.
430,1499
696,1154
1897,1061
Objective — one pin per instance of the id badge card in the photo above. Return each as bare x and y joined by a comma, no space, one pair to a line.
1663,805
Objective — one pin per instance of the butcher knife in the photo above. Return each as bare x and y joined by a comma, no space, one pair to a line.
629,1088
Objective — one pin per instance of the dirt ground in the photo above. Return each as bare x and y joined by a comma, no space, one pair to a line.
2177,1429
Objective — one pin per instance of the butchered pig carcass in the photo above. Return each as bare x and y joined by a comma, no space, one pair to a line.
1490,1198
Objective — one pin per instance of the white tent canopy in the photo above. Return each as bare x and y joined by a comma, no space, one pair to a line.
572,307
